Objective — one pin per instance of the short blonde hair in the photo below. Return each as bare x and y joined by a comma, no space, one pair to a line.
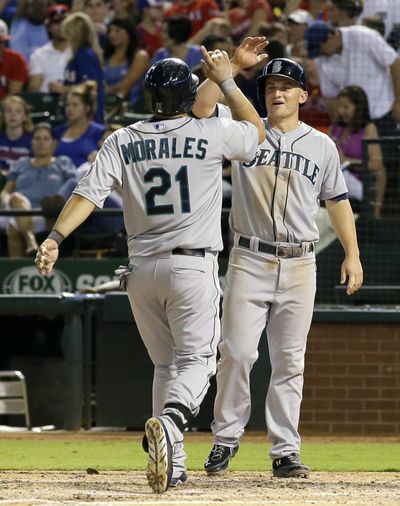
16,99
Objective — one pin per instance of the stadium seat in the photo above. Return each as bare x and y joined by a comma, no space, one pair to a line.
45,106
13,395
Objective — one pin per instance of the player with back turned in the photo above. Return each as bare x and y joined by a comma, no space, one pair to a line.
169,168
271,277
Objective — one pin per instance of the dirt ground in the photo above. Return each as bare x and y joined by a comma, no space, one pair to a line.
235,488
80,488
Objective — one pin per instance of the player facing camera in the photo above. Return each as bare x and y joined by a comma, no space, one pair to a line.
170,88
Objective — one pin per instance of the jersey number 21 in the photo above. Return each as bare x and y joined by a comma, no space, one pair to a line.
162,188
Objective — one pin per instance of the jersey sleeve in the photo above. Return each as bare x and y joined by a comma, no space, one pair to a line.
240,140
333,183
104,174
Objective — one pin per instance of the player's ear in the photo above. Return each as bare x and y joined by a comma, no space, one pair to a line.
303,97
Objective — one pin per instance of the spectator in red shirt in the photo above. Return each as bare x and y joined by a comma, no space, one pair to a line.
150,27
247,17
198,11
13,66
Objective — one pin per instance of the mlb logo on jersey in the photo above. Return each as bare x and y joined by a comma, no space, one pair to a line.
160,126
276,67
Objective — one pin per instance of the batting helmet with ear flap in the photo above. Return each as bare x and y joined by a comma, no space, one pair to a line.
280,67
169,87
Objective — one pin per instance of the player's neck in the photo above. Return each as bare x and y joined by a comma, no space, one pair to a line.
284,125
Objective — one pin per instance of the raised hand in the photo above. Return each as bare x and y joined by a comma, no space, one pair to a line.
248,54
216,65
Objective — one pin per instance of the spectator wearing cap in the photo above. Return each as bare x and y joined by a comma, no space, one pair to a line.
28,30
297,23
13,66
357,55
47,63
317,8
344,12
149,29
198,11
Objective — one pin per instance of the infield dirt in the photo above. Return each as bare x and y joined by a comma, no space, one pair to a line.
78,488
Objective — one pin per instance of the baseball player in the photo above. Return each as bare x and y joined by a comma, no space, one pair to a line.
271,276
169,168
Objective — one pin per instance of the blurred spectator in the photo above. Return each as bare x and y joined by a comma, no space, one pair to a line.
354,124
125,9
13,66
8,8
357,55
98,12
378,8
314,111
125,61
48,63
246,17
375,23
79,136
344,12
29,181
15,130
176,33
273,31
317,8
87,59
215,26
198,11
95,224
211,43
28,29
150,27
297,23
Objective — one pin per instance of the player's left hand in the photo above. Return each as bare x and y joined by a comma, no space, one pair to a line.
352,271
46,256
249,53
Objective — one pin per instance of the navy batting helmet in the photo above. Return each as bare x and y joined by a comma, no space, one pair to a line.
169,87
281,67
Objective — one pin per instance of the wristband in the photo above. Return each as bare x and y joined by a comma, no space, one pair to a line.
228,85
56,236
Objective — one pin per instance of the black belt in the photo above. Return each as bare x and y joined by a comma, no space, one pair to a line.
199,252
281,250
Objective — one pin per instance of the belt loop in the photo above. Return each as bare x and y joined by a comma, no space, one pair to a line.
254,241
236,239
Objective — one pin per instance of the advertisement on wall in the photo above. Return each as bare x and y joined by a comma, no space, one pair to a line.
70,275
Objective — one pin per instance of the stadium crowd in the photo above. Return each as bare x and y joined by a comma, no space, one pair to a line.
80,64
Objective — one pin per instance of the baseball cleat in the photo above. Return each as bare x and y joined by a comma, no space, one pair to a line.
218,460
159,462
289,467
181,480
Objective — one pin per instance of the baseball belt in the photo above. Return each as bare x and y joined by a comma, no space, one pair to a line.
199,252
280,250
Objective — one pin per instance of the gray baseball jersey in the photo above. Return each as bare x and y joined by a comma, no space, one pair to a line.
170,174
275,200
277,195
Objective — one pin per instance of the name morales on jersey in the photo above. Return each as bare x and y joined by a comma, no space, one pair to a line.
287,160
165,147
